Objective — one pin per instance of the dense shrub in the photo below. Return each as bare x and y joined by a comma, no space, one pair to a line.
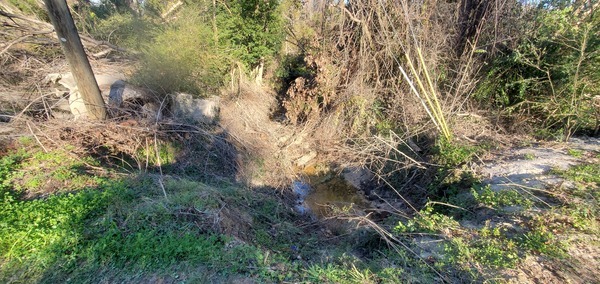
552,75
252,29
124,30
184,57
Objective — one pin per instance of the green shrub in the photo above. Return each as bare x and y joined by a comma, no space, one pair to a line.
184,58
552,75
253,30
123,30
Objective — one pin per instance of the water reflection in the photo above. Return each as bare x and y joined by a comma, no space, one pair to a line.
327,196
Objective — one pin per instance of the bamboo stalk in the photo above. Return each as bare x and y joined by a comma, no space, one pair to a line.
442,120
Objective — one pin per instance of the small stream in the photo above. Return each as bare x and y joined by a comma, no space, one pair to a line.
324,196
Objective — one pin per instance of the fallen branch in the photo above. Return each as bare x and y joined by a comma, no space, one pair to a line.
12,17
172,9
50,29
105,43
13,43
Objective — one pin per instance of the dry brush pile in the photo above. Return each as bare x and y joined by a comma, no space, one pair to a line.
384,79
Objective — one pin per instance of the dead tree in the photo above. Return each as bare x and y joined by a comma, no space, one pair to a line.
61,18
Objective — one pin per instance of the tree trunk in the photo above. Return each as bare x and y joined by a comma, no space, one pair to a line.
472,12
80,66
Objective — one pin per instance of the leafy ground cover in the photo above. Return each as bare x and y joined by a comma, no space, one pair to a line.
126,230
135,227
158,200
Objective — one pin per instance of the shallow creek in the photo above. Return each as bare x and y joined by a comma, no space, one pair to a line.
327,195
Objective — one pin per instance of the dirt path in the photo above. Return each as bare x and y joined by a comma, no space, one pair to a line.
531,169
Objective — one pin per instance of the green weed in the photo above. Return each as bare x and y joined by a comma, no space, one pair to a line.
162,154
55,171
499,199
586,173
119,223
339,274
540,240
491,248
582,217
453,154
426,221
575,153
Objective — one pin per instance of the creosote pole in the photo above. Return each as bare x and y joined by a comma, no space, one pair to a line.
80,66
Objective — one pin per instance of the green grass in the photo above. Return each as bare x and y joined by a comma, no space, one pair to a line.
85,227
119,224
37,172
125,230
584,173
575,153
85,224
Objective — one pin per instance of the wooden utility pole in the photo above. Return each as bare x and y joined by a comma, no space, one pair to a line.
80,66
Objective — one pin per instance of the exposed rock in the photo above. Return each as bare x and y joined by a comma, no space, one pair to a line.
67,80
152,112
77,105
304,160
121,92
531,167
114,91
357,177
185,106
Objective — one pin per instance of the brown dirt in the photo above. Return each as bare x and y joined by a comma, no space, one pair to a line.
581,266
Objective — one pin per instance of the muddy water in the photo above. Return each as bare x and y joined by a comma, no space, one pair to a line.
330,196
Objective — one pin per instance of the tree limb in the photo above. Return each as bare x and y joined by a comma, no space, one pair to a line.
13,42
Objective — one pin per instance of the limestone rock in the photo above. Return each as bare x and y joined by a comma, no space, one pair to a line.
152,112
185,106
77,105
75,101
114,91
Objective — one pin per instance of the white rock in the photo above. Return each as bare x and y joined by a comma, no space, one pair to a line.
197,110
152,112
77,106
